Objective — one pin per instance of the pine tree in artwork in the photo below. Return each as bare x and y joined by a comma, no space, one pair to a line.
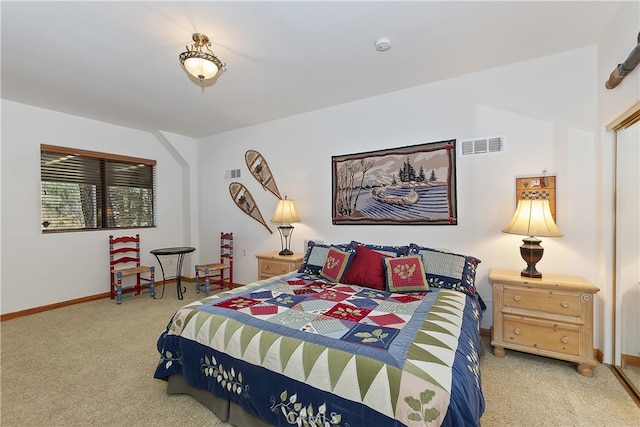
407,172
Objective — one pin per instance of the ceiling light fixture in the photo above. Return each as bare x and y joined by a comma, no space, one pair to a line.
201,64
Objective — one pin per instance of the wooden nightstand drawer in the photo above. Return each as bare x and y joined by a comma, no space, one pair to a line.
273,268
272,264
549,301
542,335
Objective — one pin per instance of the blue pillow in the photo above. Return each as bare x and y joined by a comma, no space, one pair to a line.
448,270
316,256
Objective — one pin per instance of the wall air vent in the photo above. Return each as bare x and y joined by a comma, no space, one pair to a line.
480,146
232,173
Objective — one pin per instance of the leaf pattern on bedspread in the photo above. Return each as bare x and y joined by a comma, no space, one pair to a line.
421,413
167,358
166,354
226,378
296,413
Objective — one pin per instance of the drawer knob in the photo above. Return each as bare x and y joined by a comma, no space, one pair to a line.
564,340
564,304
517,298
516,331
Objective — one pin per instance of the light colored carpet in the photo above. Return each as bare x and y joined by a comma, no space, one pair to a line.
93,364
527,390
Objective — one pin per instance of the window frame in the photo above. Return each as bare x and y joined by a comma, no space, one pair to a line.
102,187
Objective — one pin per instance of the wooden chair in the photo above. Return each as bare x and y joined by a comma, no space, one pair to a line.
215,273
124,261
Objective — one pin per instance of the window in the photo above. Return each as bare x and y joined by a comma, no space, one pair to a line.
87,190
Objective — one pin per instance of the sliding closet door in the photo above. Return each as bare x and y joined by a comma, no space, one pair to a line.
628,249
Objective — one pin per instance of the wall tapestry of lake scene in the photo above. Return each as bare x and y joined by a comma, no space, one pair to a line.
413,185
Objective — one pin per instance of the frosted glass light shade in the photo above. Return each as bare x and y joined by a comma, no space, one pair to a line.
201,68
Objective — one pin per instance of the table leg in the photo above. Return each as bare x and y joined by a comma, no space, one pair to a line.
164,280
179,277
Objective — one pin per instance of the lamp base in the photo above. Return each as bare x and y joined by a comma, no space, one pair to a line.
530,271
531,253
286,231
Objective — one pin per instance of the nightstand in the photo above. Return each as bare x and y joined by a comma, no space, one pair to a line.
551,316
271,264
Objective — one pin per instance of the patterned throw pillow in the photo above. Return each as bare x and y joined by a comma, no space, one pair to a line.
336,264
405,274
366,269
447,269
316,256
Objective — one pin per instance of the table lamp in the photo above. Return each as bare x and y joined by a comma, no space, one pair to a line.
532,218
285,214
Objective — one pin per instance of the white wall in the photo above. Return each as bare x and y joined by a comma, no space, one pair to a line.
40,269
546,110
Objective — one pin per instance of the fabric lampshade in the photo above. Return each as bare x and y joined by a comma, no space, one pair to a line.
533,218
285,212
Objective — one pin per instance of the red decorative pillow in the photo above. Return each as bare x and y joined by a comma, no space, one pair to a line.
336,264
406,274
366,269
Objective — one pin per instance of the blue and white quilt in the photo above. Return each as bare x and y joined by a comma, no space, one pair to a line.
296,350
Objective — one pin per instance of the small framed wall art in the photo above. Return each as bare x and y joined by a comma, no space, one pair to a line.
537,187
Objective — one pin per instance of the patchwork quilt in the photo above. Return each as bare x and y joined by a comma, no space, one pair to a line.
297,350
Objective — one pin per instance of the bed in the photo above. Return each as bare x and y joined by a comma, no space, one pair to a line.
361,334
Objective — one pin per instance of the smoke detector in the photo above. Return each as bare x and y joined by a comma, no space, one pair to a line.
383,44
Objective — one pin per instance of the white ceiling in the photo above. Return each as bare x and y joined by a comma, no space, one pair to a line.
117,61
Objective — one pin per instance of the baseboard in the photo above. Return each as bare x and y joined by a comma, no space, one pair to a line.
599,356
34,310
629,360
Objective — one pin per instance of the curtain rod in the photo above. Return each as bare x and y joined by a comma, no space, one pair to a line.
622,70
